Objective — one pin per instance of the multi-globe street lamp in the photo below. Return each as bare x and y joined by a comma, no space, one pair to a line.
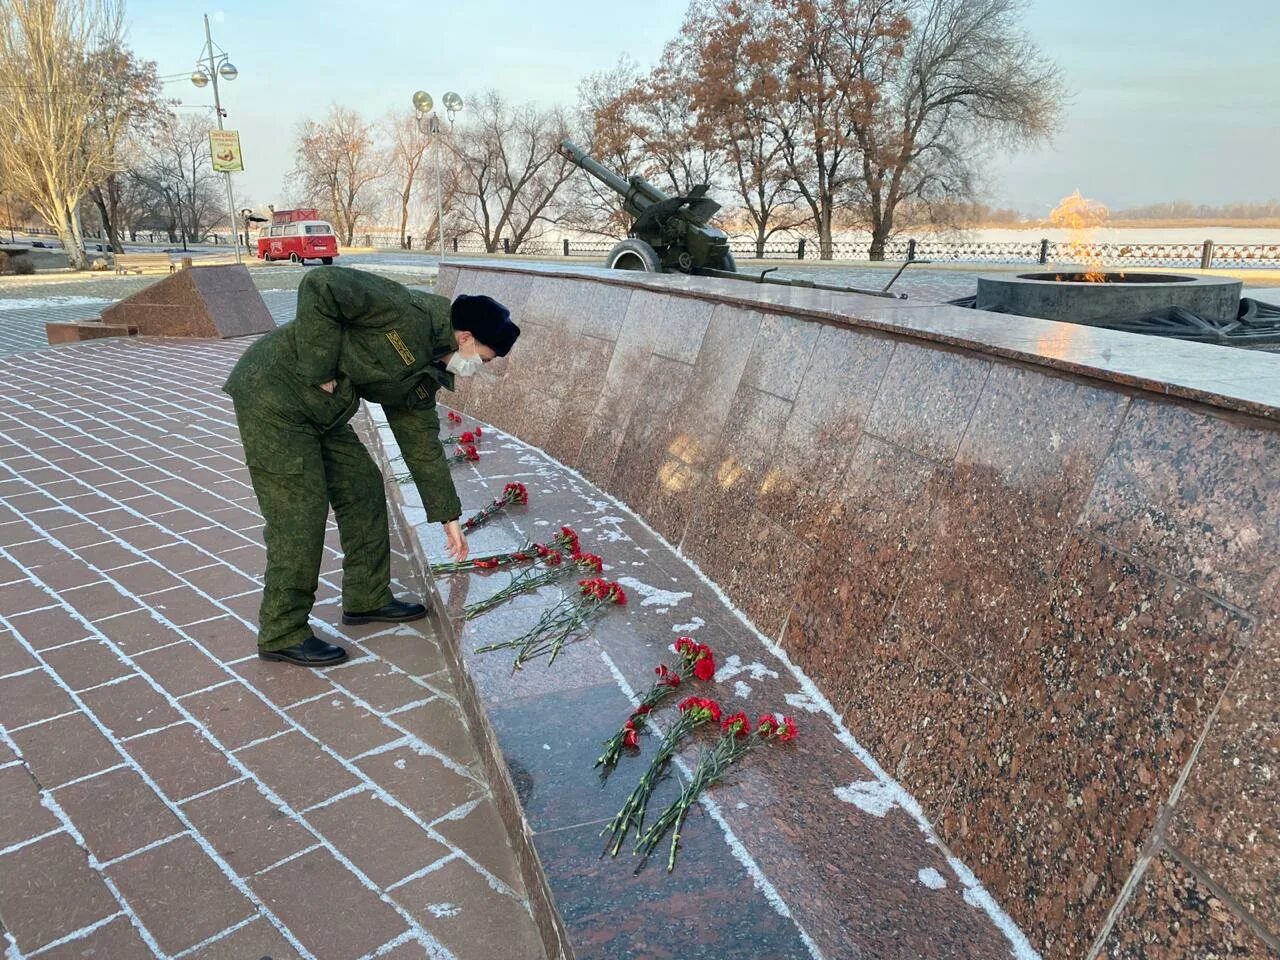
423,103
213,63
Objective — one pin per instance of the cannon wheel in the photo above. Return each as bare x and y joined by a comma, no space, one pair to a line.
633,254
729,265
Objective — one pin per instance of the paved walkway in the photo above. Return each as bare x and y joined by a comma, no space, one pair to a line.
166,793
26,307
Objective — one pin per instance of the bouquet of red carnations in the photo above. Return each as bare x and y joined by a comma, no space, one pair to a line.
694,711
696,660
512,494
530,579
566,541
737,739
556,626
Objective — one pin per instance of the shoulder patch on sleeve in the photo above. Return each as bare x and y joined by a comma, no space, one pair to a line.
423,393
401,347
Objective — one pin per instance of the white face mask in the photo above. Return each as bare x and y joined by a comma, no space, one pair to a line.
464,366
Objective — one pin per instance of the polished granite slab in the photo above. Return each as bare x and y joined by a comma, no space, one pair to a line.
1044,601
760,874
1228,377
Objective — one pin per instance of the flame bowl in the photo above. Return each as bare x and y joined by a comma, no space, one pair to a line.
1066,295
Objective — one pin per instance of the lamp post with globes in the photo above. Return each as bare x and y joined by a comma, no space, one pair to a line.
212,64
422,103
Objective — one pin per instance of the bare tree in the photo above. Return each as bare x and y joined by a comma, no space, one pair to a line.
52,155
409,148
510,169
131,105
603,127
178,170
831,52
970,78
339,165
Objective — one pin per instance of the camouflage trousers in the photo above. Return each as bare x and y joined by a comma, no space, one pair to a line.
297,472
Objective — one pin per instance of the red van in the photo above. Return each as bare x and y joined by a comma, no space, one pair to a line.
297,235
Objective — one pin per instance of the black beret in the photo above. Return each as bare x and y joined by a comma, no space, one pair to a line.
485,319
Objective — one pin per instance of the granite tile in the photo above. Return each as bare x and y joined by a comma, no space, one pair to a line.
597,310
698,420
735,475
844,598
683,324
1197,495
552,763
1225,819
1174,915
578,665
889,891
913,709
509,288
652,429
815,447
1105,698
1001,516
781,354
447,280
583,382
765,577
926,399
708,907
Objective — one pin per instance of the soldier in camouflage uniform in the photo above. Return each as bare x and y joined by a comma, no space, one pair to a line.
356,336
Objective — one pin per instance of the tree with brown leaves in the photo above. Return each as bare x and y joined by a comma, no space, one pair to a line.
338,167
510,169
968,79
51,154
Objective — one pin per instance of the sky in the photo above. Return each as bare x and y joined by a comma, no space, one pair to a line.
1169,99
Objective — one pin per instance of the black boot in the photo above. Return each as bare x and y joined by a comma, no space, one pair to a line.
397,611
311,652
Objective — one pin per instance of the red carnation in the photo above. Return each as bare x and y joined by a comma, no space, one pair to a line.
479,432
767,725
789,731
454,418
487,564
642,710
739,725
666,676
591,561
472,453
468,437
704,668
552,558
631,738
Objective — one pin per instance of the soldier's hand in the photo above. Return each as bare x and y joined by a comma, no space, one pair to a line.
328,387
456,543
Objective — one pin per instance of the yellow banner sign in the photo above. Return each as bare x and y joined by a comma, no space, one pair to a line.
224,145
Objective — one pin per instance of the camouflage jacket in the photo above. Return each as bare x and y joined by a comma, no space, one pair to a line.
381,342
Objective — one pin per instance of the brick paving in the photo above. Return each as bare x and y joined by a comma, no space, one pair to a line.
166,793
26,307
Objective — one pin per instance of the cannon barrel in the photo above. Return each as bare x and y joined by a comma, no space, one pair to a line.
637,193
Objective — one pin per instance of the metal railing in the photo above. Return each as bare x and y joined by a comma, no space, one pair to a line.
1206,255
1040,250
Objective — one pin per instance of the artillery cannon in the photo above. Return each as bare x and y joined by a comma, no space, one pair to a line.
674,234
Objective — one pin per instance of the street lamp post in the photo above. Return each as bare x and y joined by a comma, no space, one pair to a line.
218,64
453,104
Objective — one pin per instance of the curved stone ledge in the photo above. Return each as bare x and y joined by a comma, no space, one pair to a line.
1243,380
1043,594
